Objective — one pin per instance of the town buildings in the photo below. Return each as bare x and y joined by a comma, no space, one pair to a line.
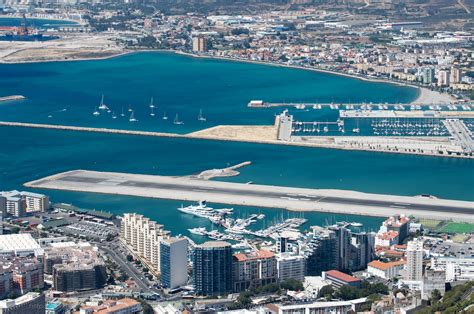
120,306
254,269
339,279
414,266
19,204
79,270
174,262
291,266
143,236
212,268
385,270
32,302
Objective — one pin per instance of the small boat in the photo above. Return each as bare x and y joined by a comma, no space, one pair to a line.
96,112
325,129
165,117
356,224
151,103
123,113
176,120
130,108
102,105
132,117
198,231
152,113
50,116
200,116
355,130
114,116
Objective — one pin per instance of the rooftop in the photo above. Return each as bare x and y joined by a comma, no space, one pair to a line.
384,266
215,244
254,255
342,276
18,242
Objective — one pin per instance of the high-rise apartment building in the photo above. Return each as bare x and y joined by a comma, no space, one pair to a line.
414,270
321,254
174,262
254,269
199,44
291,267
143,236
212,268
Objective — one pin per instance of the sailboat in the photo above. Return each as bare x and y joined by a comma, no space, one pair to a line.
356,130
176,120
152,113
96,113
114,116
151,103
130,108
132,117
103,106
200,116
123,113
165,117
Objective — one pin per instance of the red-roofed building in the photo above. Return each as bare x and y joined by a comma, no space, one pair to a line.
398,223
386,239
385,270
339,279
254,269
122,306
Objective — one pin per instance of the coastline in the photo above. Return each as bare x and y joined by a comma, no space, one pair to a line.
424,95
42,18
342,143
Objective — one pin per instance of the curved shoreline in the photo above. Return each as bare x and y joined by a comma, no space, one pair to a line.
424,95
43,18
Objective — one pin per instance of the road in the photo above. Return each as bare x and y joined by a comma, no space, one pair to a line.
130,270
184,188
272,194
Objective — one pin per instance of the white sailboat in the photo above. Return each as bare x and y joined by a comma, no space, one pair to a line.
165,117
176,120
123,113
114,116
152,113
132,117
96,112
200,116
102,105
151,103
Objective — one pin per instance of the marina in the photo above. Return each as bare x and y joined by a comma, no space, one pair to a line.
362,106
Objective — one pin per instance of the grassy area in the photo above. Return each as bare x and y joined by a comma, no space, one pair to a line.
457,227
430,224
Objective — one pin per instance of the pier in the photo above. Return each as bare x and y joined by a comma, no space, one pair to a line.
460,134
225,172
413,114
291,198
361,106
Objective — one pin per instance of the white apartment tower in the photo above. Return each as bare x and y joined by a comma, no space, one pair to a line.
414,270
143,236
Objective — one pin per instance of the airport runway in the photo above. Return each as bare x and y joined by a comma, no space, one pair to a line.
185,188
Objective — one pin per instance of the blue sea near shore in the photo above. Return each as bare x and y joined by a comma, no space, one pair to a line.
29,154
36,23
69,92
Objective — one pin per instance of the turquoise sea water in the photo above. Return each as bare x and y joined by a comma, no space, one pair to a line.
184,85
69,92
37,23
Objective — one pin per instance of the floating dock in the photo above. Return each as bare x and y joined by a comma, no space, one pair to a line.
296,199
399,114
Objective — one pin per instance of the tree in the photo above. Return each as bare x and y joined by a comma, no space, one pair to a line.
129,258
292,284
435,296
326,291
